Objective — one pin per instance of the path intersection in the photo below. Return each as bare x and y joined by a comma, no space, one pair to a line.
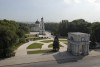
22,57
22,50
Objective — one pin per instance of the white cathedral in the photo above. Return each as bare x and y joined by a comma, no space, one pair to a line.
39,27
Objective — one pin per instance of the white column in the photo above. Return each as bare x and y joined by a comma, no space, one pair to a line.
88,49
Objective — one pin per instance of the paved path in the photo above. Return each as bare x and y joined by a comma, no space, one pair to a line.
84,62
33,58
45,46
22,50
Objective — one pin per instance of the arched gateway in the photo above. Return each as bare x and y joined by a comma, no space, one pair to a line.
78,43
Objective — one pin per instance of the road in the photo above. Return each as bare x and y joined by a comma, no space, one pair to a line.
85,62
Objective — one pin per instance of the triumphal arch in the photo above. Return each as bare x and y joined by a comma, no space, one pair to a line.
78,43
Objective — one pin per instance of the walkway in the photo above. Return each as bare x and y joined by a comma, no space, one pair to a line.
43,57
22,50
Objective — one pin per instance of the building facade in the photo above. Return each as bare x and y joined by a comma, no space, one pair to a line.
36,27
39,27
78,43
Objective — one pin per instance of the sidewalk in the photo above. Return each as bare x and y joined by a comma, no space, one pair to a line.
35,58
44,57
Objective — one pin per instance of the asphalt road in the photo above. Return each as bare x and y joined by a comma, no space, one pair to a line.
84,62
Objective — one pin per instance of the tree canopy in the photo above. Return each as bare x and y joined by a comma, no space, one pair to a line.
11,33
78,25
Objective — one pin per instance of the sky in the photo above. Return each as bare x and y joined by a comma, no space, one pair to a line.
51,10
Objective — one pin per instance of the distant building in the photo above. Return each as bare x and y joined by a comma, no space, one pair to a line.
78,43
39,27
36,27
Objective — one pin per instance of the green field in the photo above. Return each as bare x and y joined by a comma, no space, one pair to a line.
63,40
35,45
47,41
51,45
39,51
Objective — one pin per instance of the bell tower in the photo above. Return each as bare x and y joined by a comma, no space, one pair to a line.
42,30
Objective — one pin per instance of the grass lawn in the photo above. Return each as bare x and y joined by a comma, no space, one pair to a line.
47,41
64,41
35,45
39,51
62,38
52,46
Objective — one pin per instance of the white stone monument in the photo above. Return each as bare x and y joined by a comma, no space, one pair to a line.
78,43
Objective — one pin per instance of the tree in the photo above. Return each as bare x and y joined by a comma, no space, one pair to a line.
80,25
56,44
24,27
11,34
52,27
63,28
96,31
7,41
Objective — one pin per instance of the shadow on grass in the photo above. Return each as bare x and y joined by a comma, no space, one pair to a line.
49,52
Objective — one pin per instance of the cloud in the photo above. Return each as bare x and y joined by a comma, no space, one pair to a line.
80,1
68,1
92,3
77,1
72,1
95,4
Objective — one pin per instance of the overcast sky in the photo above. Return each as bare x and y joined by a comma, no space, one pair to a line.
51,10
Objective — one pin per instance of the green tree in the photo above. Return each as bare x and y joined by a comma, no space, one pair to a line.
96,31
52,27
11,34
80,25
7,41
63,28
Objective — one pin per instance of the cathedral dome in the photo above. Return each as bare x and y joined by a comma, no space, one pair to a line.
37,22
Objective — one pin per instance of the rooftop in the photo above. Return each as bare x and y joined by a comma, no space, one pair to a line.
77,33
37,22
